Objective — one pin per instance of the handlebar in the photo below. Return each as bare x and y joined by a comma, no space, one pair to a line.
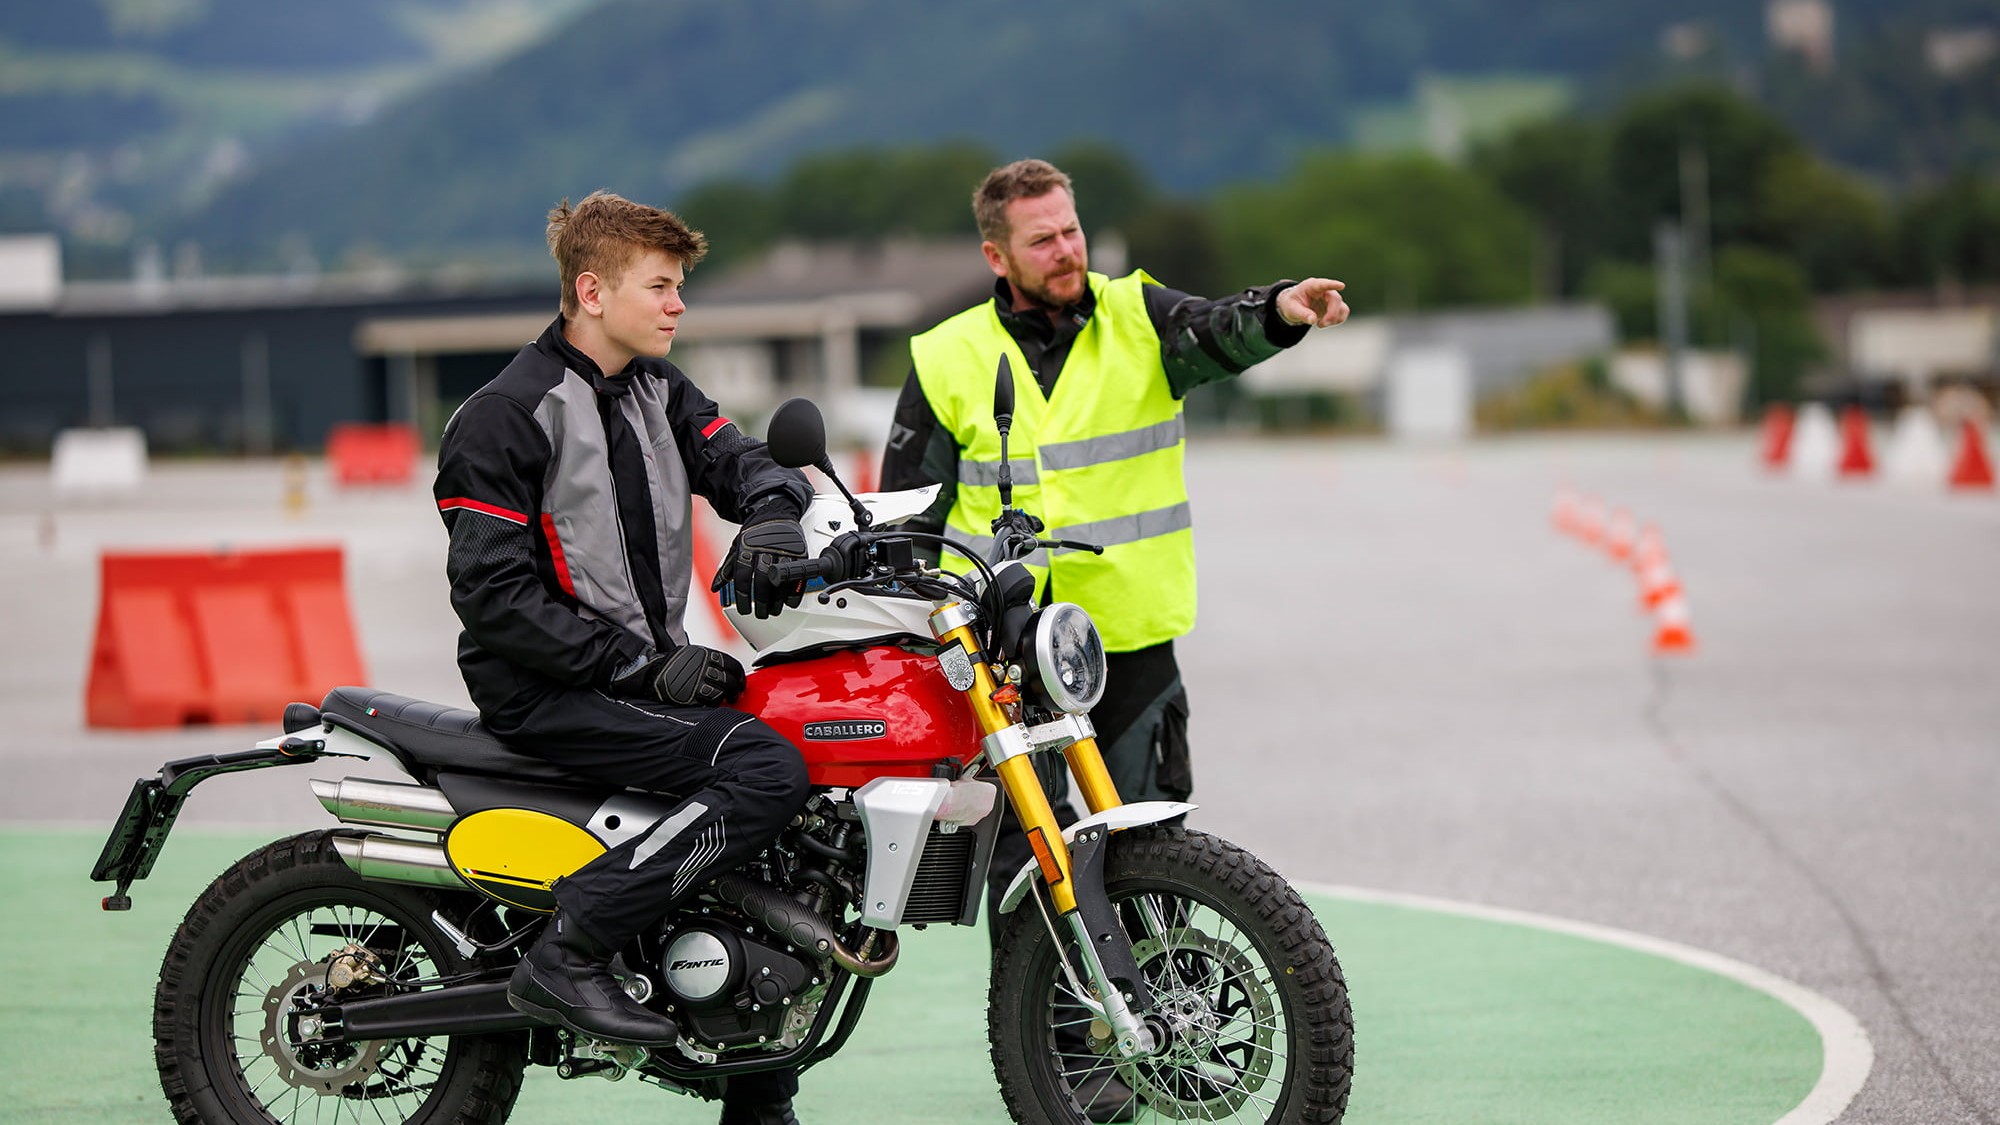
827,565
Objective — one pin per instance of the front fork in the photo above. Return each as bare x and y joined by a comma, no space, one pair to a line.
1072,872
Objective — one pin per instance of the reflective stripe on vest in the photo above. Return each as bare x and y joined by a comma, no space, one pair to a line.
1113,447
1099,461
1103,533
988,472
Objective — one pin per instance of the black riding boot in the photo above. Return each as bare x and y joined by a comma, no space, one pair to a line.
566,978
761,1097
768,1113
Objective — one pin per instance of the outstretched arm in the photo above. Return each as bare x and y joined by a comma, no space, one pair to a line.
1203,339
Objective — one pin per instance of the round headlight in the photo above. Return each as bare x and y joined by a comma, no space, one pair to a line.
1069,657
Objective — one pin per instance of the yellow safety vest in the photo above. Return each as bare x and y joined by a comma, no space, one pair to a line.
1099,462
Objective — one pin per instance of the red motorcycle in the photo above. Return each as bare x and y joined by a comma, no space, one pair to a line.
361,971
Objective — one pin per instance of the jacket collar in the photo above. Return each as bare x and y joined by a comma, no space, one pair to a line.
1034,319
557,345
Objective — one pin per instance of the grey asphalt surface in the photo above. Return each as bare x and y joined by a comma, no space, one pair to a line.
1403,679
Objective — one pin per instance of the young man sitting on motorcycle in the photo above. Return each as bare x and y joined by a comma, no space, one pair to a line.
565,485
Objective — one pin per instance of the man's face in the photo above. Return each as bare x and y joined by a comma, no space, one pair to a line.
1045,258
643,306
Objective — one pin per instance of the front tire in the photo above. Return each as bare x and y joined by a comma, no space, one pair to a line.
229,1048
1244,978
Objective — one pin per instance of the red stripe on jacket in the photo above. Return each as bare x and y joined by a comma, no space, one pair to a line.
708,431
556,553
470,505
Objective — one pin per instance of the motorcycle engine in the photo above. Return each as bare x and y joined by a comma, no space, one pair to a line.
730,989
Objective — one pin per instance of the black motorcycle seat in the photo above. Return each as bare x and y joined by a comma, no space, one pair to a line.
432,738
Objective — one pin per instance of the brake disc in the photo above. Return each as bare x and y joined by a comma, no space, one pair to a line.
290,1035
1204,989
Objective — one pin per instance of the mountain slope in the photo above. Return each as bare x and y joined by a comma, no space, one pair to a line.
651,99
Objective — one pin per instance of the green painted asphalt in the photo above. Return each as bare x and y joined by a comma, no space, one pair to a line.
1458,1019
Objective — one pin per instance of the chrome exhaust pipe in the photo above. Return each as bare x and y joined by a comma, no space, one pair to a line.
389,859
384,804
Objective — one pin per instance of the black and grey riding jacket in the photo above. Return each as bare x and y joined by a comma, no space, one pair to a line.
567,496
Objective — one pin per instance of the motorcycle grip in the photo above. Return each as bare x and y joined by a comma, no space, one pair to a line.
802,570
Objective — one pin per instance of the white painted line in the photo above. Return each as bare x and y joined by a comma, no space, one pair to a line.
1846,1053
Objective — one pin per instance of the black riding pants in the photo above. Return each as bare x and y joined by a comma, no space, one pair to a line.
739,782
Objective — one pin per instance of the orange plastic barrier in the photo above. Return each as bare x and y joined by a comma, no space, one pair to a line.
199,637
364,453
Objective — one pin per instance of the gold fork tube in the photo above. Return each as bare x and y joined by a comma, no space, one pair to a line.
1017,777
1086,764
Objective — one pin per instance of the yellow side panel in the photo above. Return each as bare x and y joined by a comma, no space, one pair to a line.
516,855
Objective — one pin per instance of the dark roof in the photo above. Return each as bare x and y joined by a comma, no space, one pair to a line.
945,276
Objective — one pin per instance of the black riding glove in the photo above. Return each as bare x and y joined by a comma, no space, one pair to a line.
770,535
689,676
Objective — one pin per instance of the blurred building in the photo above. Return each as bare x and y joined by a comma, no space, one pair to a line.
1491,351
1905,346
1952,51
230,364
1803,27
1689,39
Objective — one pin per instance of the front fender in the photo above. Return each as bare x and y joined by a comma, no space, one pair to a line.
1122,817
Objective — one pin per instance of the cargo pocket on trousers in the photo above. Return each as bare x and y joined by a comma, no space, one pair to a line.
1173,773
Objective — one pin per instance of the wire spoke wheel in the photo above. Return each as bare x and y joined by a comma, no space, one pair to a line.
275,1046
1249,1003
289,929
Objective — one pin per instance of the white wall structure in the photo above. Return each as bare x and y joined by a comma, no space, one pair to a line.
1815,450
1918,345
743,375
98,462
1502,349
1351,357
1711,382
1429,394
1507,347
30,271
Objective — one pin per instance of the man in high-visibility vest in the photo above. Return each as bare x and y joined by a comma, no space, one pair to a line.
1100,367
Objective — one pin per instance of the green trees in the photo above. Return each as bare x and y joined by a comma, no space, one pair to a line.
1404,231
1768,222
1560,209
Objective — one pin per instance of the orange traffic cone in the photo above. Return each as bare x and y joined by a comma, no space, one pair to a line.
865,478
1619,536
1855,459
1563,515
1673,632
1657,582
1648,547
1590,521
1973,468
1777,436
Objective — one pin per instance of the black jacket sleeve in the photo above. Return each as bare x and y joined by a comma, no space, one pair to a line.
1203,340
921,452
733,472
489,483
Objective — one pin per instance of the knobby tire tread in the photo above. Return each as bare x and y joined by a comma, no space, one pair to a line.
1319,1092
498,1062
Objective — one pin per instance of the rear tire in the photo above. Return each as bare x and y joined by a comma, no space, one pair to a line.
262,935
1241,971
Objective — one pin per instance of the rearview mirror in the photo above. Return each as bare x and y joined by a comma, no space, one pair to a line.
797,434
1003,393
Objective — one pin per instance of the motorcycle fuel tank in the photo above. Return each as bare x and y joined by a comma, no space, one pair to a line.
862,714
